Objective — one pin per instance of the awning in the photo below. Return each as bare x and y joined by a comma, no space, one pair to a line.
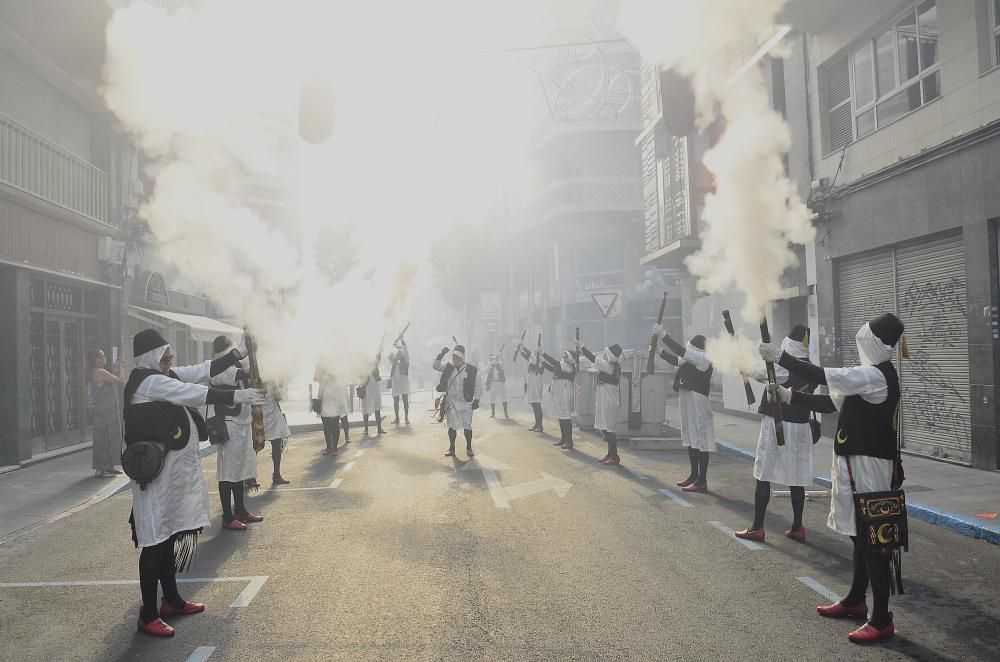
203,329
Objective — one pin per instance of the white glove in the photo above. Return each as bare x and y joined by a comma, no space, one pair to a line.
770,353
249,396
778,393
579,345
659,330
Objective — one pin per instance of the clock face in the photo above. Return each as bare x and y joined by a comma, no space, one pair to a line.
595,76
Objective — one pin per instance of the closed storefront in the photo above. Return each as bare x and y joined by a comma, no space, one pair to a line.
924,284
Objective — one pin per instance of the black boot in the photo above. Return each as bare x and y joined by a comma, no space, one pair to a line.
505,414
365,416
493,411
468,443
378,421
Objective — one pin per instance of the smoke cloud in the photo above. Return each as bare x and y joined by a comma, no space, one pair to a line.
755,212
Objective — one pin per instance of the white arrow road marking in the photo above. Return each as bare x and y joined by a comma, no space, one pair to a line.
496,490
678,500
819,588
749,544
544,484
242,600
201,654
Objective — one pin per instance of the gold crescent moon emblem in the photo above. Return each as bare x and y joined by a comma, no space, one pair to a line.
681,381
882,538
177,435
841,437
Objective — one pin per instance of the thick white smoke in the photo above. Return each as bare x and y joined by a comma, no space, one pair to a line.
209,94
755,212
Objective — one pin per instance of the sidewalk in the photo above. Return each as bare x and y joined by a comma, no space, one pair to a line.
937,492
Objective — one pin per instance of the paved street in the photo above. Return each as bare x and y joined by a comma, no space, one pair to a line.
392,551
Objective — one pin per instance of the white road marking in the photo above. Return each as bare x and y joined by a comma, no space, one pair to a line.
349,466
480,461
242,600
678,500
336,483
496,490
636,473
544,484
819,588
201,654
360,452
749,544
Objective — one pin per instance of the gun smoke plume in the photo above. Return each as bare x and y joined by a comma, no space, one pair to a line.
754,212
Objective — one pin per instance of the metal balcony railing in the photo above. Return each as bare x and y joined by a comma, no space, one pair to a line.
590,194
34,165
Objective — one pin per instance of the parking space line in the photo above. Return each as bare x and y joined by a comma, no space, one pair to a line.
242,600
678,500
336,483
819,588
360,452
201,654
749,544
349,466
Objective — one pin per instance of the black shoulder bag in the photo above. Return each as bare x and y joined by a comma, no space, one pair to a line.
882,526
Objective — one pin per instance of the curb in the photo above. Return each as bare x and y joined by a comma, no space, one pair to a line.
952,521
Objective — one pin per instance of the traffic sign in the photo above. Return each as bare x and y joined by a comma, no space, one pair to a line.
492,326
489,308
605,302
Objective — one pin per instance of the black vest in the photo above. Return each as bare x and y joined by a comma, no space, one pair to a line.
613,378
788,412
158,421
468,387
867,429
689,378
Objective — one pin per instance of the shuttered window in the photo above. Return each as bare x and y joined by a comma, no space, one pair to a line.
838,103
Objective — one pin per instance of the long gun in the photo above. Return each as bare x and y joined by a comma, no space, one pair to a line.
577,352
651,361
399,338
728,320
779,428
520,344
257,432
538,353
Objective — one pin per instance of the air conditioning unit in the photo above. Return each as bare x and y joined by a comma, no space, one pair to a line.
110,250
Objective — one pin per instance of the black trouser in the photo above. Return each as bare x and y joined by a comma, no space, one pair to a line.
276,455
612,443
331,431
873,569
453,436
699,465
406,405
537,408
344,423
566,430
761,497
157,567
230,491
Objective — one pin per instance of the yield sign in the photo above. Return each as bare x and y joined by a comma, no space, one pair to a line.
605,302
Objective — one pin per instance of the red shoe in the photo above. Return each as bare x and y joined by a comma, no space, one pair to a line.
235,525
696,487
685,482
751,534
251,518
613,461
838,610
157,628
869,634
604,459
468,451
168,610
798,534
450,454
568,446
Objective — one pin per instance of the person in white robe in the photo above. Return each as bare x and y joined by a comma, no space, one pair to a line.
533,386
693,383
399,378
791,464
334,408
496,386
563,389
276,430
170,510
609,397
462,387
236,460
866,451
371,403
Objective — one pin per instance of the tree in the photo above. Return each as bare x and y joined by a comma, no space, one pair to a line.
466,262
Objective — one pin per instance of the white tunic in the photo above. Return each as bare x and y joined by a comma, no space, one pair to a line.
871,474
608,399
791,464
533,392
332,397
275,423
497,390
400,382
457,409
177,499
235,459
697,418
563,397
372,402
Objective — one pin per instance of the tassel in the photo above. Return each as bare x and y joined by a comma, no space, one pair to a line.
185,548
904,350
896,568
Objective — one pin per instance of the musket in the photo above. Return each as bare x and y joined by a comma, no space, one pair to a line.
500,353
651,360
728,321
257,432
520,344
538,353
577,352
395,343
779,428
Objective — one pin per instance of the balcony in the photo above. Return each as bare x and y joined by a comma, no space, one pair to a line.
589,195
33,165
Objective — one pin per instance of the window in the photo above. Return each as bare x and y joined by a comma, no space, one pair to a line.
995,28
892,73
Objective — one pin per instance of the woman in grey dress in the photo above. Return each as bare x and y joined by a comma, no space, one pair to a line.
105,403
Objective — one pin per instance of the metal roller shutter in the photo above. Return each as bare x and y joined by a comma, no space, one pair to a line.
27,99
930,292
865,290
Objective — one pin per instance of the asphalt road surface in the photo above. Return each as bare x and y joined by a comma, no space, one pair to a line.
392,551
